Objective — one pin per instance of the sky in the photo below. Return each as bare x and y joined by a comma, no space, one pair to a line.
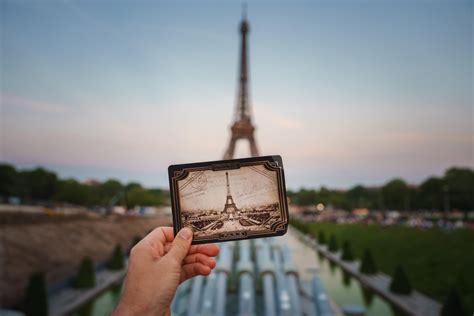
346,92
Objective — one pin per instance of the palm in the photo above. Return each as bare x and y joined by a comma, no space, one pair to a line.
197,262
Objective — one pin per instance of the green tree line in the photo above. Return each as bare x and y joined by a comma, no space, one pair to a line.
454,190
41,185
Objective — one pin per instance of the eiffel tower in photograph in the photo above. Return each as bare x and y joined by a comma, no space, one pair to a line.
230,208
242,128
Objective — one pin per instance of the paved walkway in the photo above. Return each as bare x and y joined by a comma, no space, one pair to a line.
71,299
413,304
3,271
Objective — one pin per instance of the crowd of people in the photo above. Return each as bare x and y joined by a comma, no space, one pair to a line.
202,223
419,219
260,217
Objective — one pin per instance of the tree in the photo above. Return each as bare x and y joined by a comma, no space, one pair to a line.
430,194
305,197
109,189
400,283
139,196
333,244
133,185
460,188
368,265
71,191
86,276
358,196
116,261
321,238
7,180
160,195
368,296
346,278
338,199
453,304
396,195
347,254
292,197
136,239
324,195
36,298
42,184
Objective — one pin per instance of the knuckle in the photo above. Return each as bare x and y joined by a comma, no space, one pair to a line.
136,250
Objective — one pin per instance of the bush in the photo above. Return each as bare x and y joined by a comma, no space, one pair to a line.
400,283
453,304
368,265
368,296
116,261
321,238
333,244
136,239
347,254
346,278
86,276
36,298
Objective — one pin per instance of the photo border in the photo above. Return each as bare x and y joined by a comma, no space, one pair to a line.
273,163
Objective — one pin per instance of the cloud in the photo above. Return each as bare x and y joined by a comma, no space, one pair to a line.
10,101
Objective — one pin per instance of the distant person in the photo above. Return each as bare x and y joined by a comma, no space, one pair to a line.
157,265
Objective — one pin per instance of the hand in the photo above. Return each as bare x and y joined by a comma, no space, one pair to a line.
157,265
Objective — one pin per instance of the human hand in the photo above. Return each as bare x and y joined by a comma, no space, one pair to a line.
157,265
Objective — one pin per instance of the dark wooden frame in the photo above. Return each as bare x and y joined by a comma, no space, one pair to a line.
272,163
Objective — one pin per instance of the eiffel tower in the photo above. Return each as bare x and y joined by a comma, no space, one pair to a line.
230,209
242,128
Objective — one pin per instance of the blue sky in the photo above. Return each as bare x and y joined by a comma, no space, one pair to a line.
346,91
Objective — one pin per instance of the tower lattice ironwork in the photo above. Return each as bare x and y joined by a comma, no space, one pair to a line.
242,128
229,208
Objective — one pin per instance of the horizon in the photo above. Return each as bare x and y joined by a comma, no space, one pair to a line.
91,90
125,182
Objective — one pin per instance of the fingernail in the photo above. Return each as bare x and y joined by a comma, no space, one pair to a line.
185,234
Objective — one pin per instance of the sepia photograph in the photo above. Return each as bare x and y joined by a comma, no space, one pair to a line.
231,203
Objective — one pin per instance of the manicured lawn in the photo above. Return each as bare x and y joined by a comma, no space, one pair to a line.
434,260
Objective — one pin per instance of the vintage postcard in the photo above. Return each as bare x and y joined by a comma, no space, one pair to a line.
230,199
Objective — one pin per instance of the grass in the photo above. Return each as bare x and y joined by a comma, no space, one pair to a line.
434,260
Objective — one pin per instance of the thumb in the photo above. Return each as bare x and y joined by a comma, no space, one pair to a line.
181,244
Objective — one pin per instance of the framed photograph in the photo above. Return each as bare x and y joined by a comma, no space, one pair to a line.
230,199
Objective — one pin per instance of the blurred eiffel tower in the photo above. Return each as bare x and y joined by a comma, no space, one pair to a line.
242,128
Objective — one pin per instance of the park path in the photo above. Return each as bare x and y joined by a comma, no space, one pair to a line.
70,299
416,304
3,259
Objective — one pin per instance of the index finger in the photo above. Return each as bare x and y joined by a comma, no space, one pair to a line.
210,250
163,234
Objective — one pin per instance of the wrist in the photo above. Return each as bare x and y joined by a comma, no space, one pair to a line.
125,309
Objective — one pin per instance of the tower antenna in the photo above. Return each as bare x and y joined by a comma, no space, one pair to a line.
244,11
